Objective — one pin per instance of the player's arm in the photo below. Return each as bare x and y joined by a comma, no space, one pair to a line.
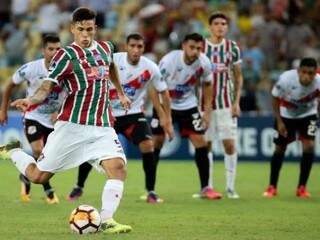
238,82
276,111
163,110
115,79
5,102
38,97
207,93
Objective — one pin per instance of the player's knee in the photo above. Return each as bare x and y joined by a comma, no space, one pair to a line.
37,178
280,149
146,146
36,152
230,149
158,141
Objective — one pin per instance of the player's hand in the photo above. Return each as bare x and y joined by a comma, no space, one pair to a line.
125,101
206,119
53,117
22,104
282,128
235,110
3,117
166,124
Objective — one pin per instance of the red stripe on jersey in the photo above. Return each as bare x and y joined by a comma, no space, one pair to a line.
101,103
58,55
111,117
286,104
67,108
310,96
105,46
86,104
113,94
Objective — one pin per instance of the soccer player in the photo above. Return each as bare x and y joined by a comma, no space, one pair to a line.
295,102
82,131
183,70
224,55
137,74
37,120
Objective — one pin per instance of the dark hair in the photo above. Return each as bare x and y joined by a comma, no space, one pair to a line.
218,15
83,13
50,38
193,36
135,36
308,62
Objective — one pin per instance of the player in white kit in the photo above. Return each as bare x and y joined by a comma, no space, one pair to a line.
184,70
137,75
38,121
295,106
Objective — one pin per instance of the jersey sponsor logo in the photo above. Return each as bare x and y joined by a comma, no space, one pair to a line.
98,73
219,68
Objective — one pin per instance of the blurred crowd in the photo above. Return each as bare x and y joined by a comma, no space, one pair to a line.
273,34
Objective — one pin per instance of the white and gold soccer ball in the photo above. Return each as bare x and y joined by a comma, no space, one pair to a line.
85,219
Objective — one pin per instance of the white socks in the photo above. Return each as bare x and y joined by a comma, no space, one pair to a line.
111,196
230,163
21,159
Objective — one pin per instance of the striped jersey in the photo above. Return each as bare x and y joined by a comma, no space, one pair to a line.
296,100
135,80
222,56
182,79
34,73
84,73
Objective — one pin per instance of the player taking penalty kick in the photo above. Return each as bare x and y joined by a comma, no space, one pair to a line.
82,130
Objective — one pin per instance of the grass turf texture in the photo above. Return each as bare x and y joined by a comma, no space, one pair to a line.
180,217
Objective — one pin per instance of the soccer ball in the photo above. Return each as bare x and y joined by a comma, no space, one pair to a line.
85,219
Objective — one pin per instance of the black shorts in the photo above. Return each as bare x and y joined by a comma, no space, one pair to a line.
189,122
134,127
35,131
303,128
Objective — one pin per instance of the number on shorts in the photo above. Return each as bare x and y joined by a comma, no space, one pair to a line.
312,128
197,124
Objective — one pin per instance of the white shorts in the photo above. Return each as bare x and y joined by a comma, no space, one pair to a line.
70,145
222,125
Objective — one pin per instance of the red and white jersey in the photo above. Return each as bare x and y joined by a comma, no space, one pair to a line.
296,100
34,73
134,80
182,79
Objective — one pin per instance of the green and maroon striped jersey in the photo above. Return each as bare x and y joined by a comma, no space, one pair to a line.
84,74
222,56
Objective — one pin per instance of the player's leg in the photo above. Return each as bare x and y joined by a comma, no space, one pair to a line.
37,146
305,167
230,163
158,135
25,163
83,173
276,161
307,133
113,162
227,133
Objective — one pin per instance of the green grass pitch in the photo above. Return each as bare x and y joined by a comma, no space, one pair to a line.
180,216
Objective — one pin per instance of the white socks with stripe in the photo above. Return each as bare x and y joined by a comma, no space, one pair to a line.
111,196
230,163
21,159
